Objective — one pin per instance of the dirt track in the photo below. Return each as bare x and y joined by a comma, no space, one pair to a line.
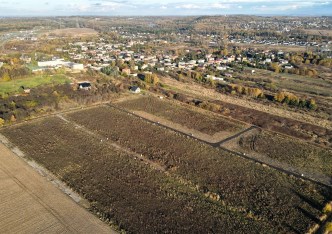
30,204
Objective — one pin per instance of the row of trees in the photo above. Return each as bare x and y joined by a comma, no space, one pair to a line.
248,91
291,99
151,78
8,72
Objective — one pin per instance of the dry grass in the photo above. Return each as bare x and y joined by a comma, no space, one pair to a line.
74,32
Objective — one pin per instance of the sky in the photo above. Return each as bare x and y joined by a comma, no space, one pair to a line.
164,7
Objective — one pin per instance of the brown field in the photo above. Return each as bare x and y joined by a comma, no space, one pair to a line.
74,32
319,32
31,204
296,153
266,194
198,91
123,189
209,126
279,124
194,187
273,47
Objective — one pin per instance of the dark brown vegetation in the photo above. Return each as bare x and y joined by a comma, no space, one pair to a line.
285,149
286,203
286,126
123,189
209,124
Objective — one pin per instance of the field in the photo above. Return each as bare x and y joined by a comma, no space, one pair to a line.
194,119
266,194
319,32
123,189
291,123
291,127
74,32
31,204
180,184
303,84
309,158
13,86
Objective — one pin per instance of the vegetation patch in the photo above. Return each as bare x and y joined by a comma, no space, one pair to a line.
121,188
268,195
15,86
294,152
188,117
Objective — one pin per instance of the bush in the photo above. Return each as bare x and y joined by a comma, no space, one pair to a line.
312,104
327,209
328,227
210,106
2,122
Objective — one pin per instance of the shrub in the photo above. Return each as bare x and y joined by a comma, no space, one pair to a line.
210,106
312,104
327,209
2,122
328,227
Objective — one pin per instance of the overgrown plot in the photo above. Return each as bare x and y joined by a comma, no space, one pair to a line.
123,189
286,203
294,152
194,119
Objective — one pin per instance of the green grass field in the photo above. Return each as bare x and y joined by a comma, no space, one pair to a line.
13,86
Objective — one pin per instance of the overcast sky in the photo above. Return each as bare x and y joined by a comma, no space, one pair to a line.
163,7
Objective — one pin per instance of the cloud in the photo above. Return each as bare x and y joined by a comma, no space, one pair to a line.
220,6
290,6
188,6
166,7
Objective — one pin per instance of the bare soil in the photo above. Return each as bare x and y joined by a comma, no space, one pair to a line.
74,32
31,204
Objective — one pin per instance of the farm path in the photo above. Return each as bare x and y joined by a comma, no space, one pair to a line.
142,158
29,203
266,161
235,135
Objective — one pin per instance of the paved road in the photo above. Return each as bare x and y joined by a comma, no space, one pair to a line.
289,170
29,203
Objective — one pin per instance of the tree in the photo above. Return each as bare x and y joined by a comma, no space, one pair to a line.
154,79
12,118
6,77
312,104
279,97
2,122
275,67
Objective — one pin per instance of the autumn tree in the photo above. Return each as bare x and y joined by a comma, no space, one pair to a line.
275,67
151,78
2,122
279,97
6,77
312,104
12,118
